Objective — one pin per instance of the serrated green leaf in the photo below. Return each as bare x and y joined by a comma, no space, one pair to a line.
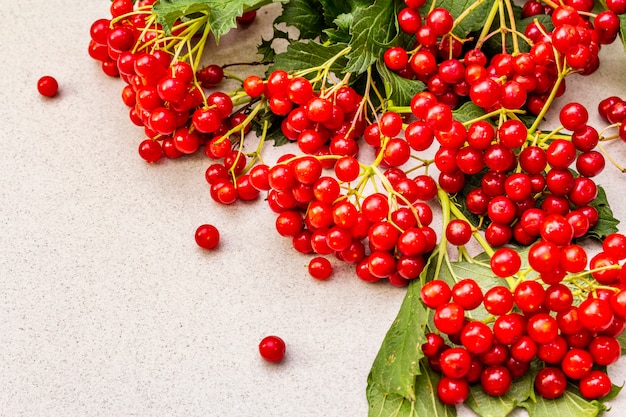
341,31
222,14
332,8
305,55
399,90
487,406
169,11
397,361
305,15
607,223
373,31
570,404
426,404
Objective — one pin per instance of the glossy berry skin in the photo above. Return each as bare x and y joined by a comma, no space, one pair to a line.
550,382
272,349
320,268
452,391
496,380
207,236
47,86
595,385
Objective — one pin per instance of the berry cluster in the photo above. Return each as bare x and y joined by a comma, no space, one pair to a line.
613,110
498,177
165,91
509,80
534,321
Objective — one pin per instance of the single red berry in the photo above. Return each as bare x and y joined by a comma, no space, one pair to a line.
320,268
272,348
47,86
207,236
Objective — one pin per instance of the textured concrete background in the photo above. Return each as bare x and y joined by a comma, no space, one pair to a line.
108,307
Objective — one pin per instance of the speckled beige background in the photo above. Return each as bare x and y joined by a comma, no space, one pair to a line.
107,306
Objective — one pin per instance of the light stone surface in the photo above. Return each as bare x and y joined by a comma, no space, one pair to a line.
108,307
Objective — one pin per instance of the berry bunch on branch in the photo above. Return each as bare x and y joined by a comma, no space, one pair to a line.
388,109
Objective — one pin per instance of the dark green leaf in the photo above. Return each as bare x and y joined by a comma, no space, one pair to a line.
426,404
607,223
397,362
305,15
332,8
309,54
373,31
169,11
222,14
341,31
398,89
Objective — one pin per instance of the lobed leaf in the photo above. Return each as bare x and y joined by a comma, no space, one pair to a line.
373,31
222,14
304,55
333,9
397,362
305,15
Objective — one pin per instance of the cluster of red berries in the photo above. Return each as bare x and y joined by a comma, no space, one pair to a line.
319,124
166,97
532,322
517,200
613,110
523,80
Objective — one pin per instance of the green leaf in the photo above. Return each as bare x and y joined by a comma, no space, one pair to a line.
570,404
222,14
399,90
333,9
373,31
265,48
304,55
341,32
607,223
305,15
397,361
426,404
468,111
169,11
487,406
